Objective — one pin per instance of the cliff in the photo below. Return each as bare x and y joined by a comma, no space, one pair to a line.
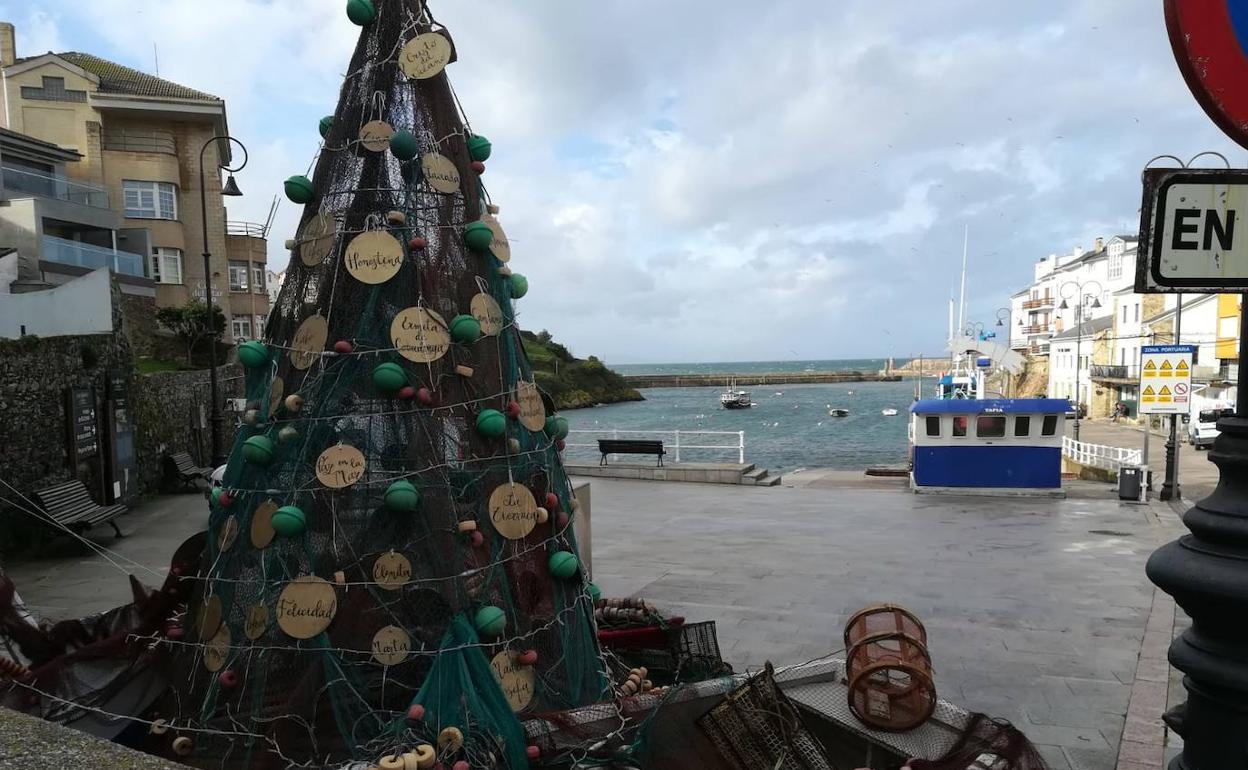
572,382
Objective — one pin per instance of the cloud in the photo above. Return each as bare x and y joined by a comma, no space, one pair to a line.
730,180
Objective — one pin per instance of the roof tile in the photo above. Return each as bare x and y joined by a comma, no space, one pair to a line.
118,79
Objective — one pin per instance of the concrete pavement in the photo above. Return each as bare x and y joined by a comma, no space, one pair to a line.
1197,476
1036,609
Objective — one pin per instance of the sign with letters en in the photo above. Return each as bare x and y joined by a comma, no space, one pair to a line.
1193,233
1166,378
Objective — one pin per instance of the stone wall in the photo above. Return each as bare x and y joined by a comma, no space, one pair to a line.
168,418
34,373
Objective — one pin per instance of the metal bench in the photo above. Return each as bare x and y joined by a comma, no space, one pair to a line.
185,468
70,506
609,446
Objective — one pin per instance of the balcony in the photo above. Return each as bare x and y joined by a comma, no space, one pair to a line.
135,140
58,188
1032,304
91,257
249,229
1114,372
1036,329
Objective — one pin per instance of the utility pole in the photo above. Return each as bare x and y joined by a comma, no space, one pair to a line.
1170,489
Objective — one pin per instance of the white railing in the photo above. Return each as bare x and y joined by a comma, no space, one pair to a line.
673,440
1110,458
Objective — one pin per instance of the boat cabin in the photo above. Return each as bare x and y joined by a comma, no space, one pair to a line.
1006,443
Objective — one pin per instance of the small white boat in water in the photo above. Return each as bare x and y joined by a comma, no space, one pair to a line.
889,412
838,412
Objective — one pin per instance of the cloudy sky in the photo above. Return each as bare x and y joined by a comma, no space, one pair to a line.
727,180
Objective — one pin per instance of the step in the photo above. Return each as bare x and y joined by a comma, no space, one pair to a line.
759,477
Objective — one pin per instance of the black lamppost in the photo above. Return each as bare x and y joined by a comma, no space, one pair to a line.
1095,302
231,188
1003,323
1170,489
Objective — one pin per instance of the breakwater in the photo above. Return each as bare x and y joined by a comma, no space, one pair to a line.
742,380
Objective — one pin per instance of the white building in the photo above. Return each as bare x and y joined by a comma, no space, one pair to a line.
1037,310
1072,353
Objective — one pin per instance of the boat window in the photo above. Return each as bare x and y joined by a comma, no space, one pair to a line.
1049,427
933,425
959,425
1022,425
990,425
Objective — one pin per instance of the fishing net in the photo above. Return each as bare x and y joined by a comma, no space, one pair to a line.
411,594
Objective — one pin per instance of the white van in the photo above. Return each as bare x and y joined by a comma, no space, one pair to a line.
1202,426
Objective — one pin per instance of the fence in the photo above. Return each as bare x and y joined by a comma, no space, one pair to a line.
47,186
673,441
1110,458
89,256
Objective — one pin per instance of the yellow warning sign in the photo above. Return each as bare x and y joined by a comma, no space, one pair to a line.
1150,394
1181,370
1150,368
1164,394
1166,369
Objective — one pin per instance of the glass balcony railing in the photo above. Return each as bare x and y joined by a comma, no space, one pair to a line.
91,257
47,186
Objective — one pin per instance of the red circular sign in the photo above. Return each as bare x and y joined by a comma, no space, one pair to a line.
1210,42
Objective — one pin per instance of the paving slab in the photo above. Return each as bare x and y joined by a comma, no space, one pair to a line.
1035,608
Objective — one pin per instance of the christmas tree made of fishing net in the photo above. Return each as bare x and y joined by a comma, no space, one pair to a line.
392,568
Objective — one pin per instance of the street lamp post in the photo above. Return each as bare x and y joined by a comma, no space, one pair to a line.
1083,298
1004,316
1170,489
231,188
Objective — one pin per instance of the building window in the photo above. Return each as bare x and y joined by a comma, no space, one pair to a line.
238,276
166,265
53,90
1124,314
257,278
1049,426
959,425
933,425
1022,425
1137,312
990,426
150,200
259,325
1115,265
240,327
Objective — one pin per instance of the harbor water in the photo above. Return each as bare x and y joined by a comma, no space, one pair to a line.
788,427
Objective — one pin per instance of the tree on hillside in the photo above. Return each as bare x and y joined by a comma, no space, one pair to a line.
190,323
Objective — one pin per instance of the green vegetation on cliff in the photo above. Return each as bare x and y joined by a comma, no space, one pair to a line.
573,383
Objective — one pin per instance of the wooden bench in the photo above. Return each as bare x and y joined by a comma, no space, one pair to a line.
186,469
70,506
609,446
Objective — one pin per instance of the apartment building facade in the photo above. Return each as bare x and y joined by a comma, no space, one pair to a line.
132,144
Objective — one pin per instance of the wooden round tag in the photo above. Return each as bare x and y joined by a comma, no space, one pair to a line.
440,172
217,650
532,410
340,466
487,312
392,571
257,621
374,257
391,645
375,135
262,524
309,341
276,391
518,681
499,247
228,533
425,56
306,607
420,335
513,511
317,238
209,617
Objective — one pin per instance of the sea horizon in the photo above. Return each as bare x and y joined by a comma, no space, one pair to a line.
764,367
